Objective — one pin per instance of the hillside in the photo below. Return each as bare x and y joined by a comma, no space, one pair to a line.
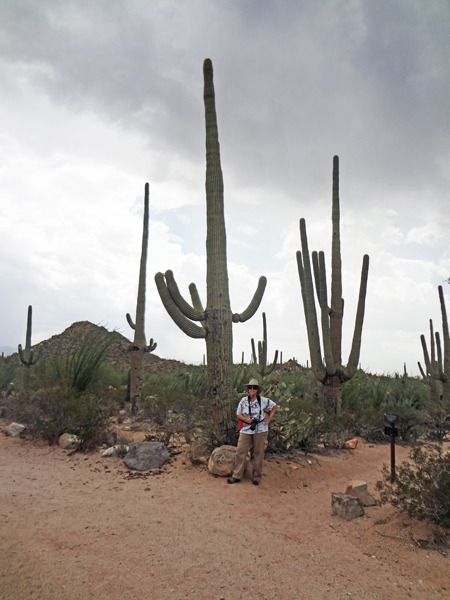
118,355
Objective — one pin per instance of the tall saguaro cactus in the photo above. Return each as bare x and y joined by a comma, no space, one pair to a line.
427,377
260,359
330,370
439,368
215,321
138,347
27,356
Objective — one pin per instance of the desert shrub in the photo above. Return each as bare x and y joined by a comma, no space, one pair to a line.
52,411
9,371
421,487
365,399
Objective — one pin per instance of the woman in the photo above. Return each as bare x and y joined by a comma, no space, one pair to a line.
254,432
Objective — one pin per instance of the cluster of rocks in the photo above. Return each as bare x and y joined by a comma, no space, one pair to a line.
350,505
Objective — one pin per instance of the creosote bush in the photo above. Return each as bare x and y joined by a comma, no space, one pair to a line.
422,486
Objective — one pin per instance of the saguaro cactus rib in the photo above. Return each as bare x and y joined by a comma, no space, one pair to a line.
139,345
332,374
216,319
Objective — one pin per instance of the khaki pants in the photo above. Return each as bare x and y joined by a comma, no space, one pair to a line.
246,441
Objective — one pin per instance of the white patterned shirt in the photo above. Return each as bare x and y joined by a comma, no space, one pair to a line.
243,409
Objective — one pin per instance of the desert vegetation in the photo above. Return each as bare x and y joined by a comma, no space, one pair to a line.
79,381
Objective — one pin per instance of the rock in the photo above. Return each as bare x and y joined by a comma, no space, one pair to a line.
347,507
221,461
358,488
15,429
68,441
351,444
117,450
143,456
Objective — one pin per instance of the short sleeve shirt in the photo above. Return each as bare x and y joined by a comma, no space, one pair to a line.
255,413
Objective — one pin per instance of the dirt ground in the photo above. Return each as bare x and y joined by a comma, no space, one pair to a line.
78,527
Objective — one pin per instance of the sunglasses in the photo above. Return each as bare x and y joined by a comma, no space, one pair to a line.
253,387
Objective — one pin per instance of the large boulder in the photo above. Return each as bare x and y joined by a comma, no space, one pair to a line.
68,441
221,461
143,456
347,507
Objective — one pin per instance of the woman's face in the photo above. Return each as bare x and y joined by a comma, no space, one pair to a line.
253,391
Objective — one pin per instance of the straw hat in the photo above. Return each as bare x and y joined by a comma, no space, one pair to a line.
253,382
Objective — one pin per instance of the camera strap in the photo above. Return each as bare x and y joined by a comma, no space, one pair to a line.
250,407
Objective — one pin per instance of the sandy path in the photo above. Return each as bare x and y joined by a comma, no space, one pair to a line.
76,528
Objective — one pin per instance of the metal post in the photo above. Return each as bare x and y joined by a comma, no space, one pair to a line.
392,458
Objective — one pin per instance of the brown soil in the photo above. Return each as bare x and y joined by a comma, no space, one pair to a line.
79,527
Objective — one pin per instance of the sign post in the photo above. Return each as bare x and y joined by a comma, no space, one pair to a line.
393,433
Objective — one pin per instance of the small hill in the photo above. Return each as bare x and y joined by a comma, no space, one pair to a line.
118,356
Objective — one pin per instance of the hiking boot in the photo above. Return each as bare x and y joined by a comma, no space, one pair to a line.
233,480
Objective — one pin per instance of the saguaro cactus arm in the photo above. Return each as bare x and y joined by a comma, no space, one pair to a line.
304,271
254,303
187,310
189,328
353,359
321,287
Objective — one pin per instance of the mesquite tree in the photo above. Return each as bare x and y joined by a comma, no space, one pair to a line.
138,347
330,370
439,369
215,321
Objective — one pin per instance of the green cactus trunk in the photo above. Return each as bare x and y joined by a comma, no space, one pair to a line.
139,346
219,341
217,318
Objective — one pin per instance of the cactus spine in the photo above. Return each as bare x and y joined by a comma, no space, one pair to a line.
439,368
330,371
27,357
215,321
138,347
261,359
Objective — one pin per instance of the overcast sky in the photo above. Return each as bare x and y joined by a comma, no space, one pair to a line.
100,97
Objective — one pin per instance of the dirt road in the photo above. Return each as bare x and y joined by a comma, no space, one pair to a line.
76,527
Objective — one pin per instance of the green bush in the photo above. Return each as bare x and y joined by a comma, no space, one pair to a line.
52,411
422,486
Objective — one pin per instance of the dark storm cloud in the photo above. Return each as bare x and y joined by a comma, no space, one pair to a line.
296,82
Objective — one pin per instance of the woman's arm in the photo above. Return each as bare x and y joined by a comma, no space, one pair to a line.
270,417
241,417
